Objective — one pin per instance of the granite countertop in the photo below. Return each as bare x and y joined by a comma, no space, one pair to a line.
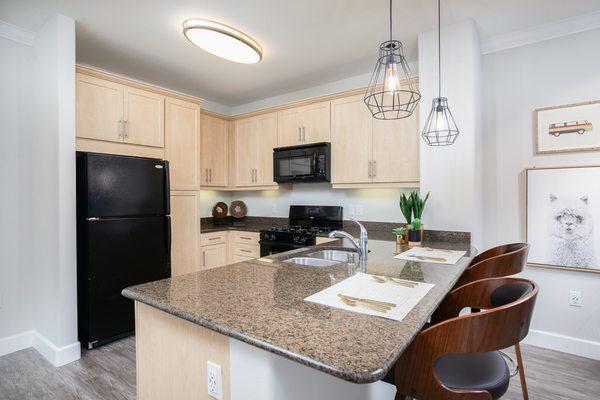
261,303
377,230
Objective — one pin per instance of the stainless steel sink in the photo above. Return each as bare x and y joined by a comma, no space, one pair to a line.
335,255
313,262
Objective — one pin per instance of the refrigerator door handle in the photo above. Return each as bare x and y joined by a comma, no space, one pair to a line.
167,188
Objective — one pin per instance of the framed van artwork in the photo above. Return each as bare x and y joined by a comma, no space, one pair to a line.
570,127
563,217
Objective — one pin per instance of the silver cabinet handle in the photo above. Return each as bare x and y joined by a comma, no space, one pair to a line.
370,169
304,134
299,133
210,175
204,259
255,175
120,129
126,129
374,168
205,175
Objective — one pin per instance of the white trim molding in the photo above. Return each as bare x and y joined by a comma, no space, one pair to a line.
540,33
564,344
16,33
57,356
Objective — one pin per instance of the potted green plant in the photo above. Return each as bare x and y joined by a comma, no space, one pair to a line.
415,233
400,234
418,204
406,208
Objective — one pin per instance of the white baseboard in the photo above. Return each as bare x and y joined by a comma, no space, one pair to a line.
565,344
57,356
17,342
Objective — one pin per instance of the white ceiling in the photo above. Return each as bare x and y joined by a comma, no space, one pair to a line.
305,42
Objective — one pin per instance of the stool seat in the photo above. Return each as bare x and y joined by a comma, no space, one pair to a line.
483,371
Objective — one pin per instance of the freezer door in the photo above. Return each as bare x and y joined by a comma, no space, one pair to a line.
120,186
122,253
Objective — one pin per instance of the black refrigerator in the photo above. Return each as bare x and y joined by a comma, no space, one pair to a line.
123,239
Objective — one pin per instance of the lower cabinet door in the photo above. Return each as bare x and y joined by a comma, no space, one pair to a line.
185,228
213,256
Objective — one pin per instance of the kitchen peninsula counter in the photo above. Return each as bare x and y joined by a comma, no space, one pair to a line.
260,302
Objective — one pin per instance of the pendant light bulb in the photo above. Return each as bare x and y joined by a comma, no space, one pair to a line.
392,80
441,123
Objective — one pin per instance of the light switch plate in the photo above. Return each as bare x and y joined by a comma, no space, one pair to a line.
575,298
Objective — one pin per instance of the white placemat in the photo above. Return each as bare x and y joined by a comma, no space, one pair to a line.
366,287
436,256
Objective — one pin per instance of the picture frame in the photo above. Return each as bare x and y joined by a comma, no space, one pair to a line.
567,128
564,224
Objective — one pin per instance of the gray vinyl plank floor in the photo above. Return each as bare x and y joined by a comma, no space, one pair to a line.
108,373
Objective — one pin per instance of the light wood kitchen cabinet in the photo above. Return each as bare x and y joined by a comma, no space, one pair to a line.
114,112
305,124
396,150
144,116
254,139
351,141
214,150
99,109
185,231
182,143
367,152
213,256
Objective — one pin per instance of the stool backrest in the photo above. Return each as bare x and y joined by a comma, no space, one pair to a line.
507,305
505,260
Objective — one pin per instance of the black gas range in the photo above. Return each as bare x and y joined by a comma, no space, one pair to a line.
305,222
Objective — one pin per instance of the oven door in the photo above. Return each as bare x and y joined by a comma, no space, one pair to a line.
308,163
268,248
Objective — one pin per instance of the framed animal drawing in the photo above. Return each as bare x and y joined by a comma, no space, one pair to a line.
566,128
563,217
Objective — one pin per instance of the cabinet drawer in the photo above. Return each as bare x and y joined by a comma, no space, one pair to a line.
213,238
321,240
247,250
236,258
245,237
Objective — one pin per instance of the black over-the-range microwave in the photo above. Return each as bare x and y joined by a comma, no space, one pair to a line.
305,163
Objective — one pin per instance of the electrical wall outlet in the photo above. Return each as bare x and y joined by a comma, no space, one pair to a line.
351,210
575,298
359,210
213,380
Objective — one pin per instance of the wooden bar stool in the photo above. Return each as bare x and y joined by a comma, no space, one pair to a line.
457,358
504,260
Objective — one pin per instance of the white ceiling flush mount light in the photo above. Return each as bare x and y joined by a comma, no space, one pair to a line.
222,41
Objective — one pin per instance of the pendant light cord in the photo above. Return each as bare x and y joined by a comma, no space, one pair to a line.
439,51
390,22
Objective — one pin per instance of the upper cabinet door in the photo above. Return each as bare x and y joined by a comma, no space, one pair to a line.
99,109
182,143
214,147
289,132
266,126
316,123
245,151
351,140
144,118
396,150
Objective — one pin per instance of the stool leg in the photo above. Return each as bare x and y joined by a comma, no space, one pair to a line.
521,371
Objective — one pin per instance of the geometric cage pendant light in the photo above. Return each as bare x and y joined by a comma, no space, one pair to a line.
440,128
392,92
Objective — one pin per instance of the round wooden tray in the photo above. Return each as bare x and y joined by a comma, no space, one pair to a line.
238,209
219,210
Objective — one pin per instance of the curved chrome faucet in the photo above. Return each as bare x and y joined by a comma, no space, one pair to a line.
361,245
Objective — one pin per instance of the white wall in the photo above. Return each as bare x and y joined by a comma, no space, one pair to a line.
377,204
451,173
42,297
15,129
354,82
516,81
